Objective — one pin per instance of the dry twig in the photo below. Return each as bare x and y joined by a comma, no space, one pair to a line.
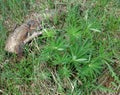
35,34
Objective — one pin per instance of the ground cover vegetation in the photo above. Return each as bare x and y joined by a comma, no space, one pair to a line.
77,55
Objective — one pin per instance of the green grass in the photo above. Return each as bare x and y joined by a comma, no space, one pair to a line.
71,60
15,9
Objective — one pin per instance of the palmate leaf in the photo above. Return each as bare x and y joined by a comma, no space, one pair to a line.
61,59
95,30
73,31
58,44
80,60
49,33
91,69
81,51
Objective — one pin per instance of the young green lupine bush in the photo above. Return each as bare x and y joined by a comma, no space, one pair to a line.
75,53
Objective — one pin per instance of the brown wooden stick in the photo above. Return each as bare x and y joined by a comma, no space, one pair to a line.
35,34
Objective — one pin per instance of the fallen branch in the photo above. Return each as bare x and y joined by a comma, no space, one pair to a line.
35,34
